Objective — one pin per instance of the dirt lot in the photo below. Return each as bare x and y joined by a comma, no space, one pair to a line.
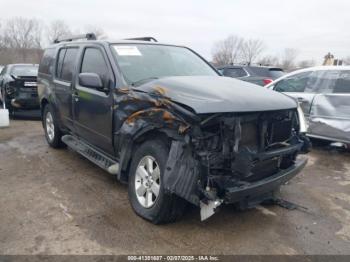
56,202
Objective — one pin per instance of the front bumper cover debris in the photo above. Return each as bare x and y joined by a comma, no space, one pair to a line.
254,193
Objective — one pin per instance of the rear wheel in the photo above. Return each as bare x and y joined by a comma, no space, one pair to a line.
146,189
52,132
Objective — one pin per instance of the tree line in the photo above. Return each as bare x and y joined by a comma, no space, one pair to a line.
22,39
237,50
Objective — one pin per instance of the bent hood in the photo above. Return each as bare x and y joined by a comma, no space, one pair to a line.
215,94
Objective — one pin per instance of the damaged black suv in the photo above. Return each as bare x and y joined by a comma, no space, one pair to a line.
18,87
160,118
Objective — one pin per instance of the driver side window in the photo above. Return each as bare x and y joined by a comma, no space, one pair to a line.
295,83
94,62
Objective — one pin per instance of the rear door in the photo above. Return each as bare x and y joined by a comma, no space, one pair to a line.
64,76
296,86
93,109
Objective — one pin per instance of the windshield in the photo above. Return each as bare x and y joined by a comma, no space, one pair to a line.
29,70
140,62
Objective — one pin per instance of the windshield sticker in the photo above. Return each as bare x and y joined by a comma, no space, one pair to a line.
124,50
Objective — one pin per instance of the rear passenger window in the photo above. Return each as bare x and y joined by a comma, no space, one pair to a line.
94,62
342,84
65,63
60,58
46,63
329,81
321,82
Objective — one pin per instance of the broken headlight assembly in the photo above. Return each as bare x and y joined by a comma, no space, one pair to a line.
9,89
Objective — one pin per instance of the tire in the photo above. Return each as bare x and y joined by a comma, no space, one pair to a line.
166,207
52,132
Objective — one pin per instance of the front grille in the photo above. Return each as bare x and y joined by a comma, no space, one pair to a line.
28,89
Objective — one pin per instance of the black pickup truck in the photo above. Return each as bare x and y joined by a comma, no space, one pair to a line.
160,118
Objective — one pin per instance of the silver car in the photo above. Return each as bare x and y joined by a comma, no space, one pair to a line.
324,96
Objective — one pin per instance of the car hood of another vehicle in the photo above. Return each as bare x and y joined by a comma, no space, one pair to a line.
215,94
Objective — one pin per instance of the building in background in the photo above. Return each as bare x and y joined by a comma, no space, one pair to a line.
330,60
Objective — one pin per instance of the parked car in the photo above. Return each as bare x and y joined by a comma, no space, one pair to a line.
18,87
260,75
324,94
160,118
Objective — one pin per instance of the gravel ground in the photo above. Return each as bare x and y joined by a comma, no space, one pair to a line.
57,202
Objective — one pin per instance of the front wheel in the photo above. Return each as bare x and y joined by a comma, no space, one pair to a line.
146,189
52,132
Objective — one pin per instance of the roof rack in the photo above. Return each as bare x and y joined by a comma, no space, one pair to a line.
146,38
88,36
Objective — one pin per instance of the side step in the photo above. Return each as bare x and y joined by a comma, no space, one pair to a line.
100,159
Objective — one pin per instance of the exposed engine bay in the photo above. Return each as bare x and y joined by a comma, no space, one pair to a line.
229,150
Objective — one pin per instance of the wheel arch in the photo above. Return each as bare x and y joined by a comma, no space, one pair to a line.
128,148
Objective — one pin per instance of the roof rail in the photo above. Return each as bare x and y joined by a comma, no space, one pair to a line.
146,38
88,36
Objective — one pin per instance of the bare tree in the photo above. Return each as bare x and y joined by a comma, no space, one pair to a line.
227,51
269,60
306,63
22,33
2,43
288,59
251,49
57,29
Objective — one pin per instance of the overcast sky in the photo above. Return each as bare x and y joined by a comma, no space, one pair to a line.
314,27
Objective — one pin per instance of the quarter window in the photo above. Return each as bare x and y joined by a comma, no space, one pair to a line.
47,62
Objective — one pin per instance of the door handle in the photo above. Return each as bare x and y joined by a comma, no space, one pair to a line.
75,96
302,99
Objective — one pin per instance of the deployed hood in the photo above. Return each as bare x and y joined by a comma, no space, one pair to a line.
215,94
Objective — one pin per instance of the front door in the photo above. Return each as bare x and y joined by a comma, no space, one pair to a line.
93,109
330,111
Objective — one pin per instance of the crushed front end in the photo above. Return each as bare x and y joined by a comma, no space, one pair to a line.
21,92
239,158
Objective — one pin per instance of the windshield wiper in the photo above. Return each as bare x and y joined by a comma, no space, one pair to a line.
139,82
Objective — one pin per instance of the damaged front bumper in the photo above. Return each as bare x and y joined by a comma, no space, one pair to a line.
252,194
249,192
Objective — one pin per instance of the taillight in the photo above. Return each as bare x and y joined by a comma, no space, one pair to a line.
267,81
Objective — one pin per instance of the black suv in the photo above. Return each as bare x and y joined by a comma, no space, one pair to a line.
18,87
160,118
260,75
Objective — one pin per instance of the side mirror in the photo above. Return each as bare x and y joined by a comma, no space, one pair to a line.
91,80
